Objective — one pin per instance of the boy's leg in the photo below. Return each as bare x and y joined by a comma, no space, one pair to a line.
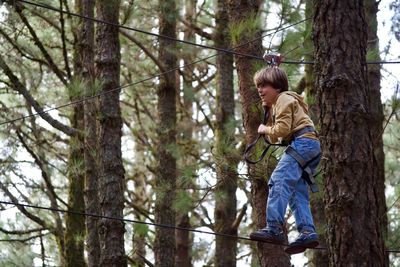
300,202
281,185
300,205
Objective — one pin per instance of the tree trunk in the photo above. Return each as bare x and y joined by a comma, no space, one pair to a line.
184,238
84,69
317,258
75,224
246,12
376,110
141,201
165,244
226,162
351,203
108,59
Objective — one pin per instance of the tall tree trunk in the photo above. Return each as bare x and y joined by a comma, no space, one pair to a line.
376,110
165,245
139,237
317,258
84,68
75,224
226,162
141,202
184,238
108,59
351,202
247,12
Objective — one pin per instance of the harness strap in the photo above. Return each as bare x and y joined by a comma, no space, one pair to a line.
253,144
307,129
307,174
249,148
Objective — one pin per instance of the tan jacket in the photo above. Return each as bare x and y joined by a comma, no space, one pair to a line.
288,114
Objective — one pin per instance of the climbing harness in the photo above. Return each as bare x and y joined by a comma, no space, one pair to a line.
308,175
253,144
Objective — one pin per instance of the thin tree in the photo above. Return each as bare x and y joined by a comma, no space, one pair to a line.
226,154
184,239
84,67
165,244
351,202
75,224
107,60
244,27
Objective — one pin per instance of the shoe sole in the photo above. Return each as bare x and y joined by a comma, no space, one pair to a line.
296,249
263,239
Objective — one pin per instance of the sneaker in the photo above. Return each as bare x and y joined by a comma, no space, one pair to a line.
268,235
305,240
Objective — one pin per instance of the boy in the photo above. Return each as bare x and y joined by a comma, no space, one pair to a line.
288,121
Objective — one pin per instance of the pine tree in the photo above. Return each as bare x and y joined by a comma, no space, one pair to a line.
226,158
165,244
84,67
111,232
244,27
351,203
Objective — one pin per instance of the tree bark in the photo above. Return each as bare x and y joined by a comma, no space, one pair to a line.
165,244
351,202
184,240
376,109
247,12
84,68
108,59
75,224
317,258
226,155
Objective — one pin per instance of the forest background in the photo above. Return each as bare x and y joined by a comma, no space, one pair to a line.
47,61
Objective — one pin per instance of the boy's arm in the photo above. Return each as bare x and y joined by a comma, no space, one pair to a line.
283,118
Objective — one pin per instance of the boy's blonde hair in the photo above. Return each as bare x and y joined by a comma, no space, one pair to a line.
274,76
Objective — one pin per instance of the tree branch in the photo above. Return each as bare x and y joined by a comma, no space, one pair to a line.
22,240
21,232
19,87
63,39
22,53
197,29
40,45
52,194
236,223
22,209
142,257
145,50
48,20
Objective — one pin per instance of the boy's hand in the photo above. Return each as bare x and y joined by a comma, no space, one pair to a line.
262,129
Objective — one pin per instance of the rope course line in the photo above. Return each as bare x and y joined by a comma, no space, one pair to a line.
143,31
180,40
152,224
140,81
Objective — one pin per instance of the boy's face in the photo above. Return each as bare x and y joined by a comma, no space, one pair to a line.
268,95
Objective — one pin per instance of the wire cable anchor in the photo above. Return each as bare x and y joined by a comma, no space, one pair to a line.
273,59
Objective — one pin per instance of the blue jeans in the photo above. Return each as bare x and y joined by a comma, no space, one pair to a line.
287,187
